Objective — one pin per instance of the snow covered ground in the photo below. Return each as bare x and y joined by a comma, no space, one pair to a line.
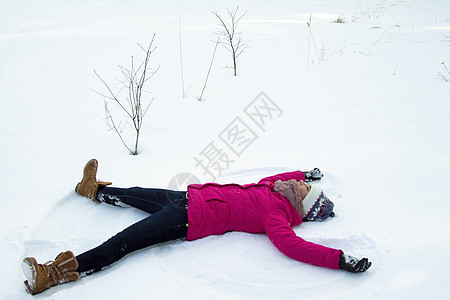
364,100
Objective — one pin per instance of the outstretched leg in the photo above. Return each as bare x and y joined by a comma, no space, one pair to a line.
146,199
169,223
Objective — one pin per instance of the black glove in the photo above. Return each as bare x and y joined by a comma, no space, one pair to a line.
353,264
312,175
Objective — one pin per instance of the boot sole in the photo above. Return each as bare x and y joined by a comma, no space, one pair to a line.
77,187
29,271
28,288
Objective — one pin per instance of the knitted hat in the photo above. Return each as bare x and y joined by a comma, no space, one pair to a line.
317,206
314,207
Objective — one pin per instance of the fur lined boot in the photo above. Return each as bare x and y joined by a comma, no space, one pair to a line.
41,277
88,186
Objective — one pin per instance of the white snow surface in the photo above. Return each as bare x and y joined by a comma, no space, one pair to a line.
367,105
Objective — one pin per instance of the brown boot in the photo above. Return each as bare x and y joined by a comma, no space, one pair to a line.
88,186
42,277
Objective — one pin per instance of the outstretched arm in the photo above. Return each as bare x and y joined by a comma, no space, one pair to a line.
297,175
306,176
285,239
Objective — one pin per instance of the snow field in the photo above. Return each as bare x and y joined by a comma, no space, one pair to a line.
368,108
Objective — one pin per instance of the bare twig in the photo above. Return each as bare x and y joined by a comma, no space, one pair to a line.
311,37
448,72
386,32
445,66
112,126
447,39
132,104
113,96
181,57
229,38
443,77
209,70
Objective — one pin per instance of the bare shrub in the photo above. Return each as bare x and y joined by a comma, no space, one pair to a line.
339,20
133,101
230,38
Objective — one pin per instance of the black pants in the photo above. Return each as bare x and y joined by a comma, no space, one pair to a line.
167,222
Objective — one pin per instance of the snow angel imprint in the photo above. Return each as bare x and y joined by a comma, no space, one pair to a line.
273,206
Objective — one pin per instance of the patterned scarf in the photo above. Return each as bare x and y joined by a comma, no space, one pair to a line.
291,190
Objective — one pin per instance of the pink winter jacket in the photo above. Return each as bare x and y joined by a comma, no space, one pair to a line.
254,208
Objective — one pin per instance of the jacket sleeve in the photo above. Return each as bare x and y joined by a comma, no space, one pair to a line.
285,239
297,175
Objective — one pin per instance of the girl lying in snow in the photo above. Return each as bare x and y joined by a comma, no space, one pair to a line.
271,206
